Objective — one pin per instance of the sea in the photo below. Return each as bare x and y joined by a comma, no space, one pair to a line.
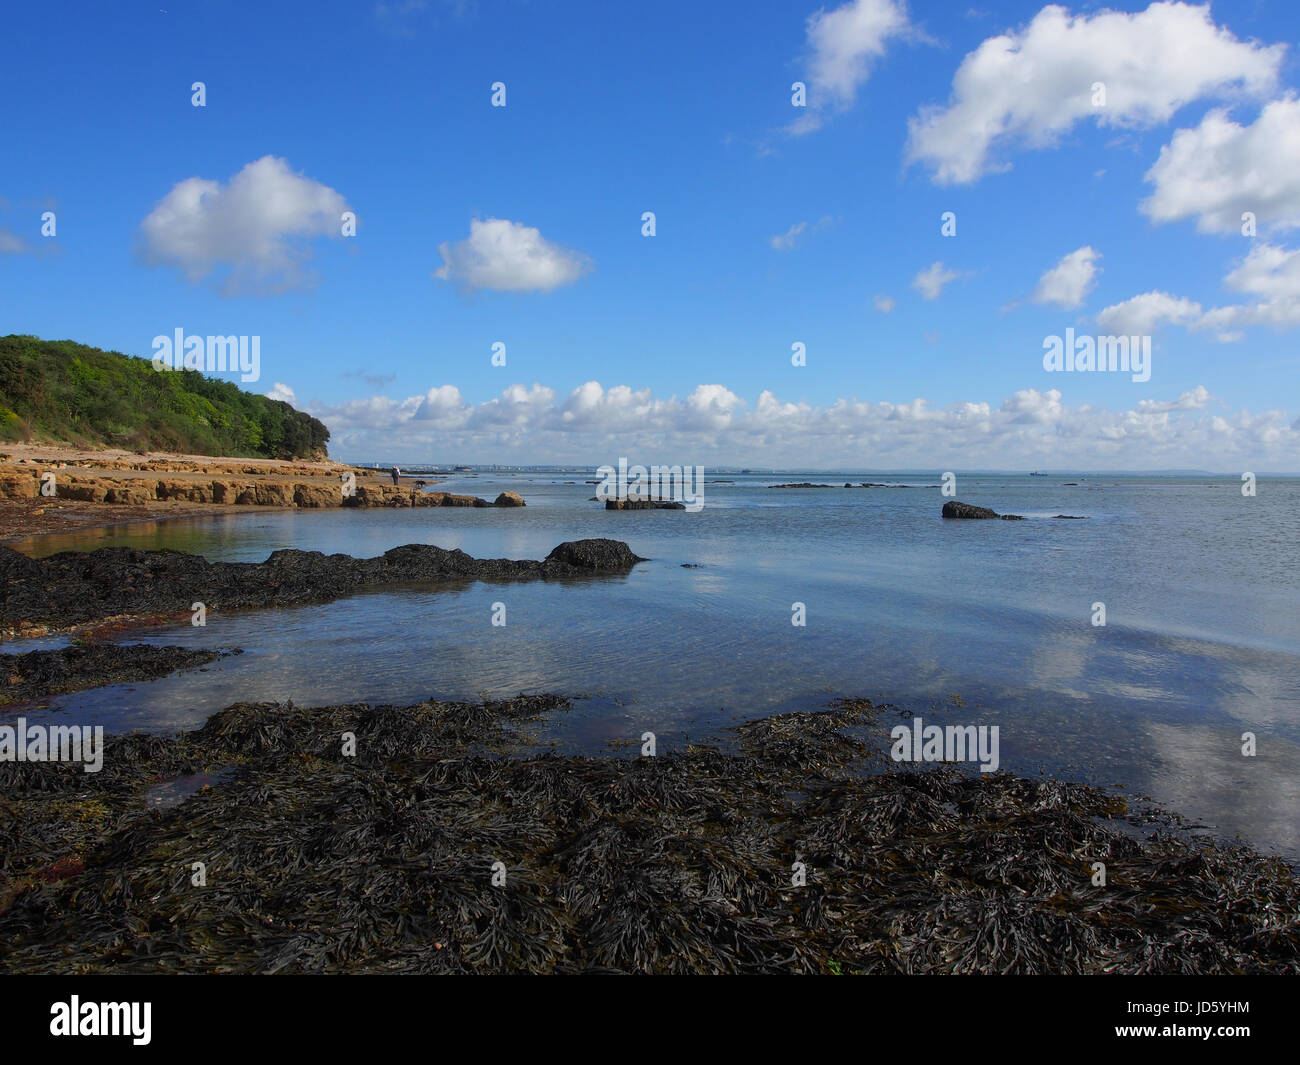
1188,695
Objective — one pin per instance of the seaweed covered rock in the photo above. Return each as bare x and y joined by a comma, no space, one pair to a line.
35,674
76,587
593,555
954,509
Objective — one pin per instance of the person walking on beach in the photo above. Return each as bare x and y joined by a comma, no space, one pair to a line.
395,474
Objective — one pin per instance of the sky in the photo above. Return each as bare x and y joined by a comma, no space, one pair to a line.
770,234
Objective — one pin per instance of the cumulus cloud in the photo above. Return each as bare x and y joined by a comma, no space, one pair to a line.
1197,399
842,46
254,229
714,425
1067,283
1143,314
1219,170
508,257
930,281
282,392
1269,273
1027,89
1272,275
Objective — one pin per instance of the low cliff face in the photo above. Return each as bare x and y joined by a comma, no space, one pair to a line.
304,486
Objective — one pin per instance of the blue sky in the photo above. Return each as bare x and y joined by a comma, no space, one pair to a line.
774,224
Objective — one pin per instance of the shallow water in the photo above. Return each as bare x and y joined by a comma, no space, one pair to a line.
957,622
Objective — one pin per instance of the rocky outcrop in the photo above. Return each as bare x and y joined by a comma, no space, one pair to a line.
122,483
954,509
78,587
643,504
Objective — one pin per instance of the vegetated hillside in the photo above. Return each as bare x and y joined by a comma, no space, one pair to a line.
57,390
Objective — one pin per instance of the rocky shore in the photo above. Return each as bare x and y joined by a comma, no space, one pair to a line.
423,839
44,480
78,588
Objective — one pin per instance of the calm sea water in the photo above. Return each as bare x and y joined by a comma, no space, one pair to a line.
958,622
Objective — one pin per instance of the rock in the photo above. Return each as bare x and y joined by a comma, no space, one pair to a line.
75,587
954,509
85,493
643,504
593,555
449,500
1070,517
19,485
509,499
274,495
316,496
132,495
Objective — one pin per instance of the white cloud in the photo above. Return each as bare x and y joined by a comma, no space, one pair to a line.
442,406
714,425
793,236
930,281
1197,399
282,392
11,243
885,304
787,240
508,257
1029,88
1269,273
1220,170
842,46
1273,275
255,227
1067,283
1143,314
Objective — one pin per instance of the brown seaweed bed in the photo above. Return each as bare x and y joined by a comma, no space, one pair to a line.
383,861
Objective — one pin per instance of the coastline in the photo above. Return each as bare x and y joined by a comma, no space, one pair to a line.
908,870
102,488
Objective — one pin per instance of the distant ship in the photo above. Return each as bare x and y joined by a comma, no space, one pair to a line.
1037,474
